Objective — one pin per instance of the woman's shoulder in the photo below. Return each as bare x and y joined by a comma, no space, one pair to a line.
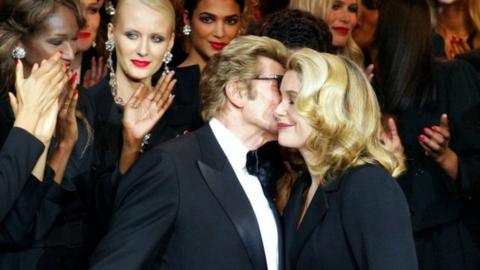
366,178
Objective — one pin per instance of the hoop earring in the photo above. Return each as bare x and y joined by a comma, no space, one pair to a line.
167,58
187,30
18,53
110,46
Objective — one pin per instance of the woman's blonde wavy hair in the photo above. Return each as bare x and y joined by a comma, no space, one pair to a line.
320,8
338,102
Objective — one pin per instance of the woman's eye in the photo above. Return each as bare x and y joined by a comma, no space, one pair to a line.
353,8
206,19
92,11
131,35
232,21
56,42
157,39
336,6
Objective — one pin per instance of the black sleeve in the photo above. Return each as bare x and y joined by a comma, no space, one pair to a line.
376,221
464,120
144,213
18,157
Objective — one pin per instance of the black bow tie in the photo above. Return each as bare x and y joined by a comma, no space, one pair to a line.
266,164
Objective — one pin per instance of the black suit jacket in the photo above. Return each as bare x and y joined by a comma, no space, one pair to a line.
360,220
181,207
18,156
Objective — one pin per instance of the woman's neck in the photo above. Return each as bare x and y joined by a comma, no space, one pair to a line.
194,58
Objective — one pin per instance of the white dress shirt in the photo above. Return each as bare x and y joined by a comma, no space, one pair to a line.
236,154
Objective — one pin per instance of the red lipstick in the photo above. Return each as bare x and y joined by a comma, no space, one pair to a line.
140,63
83,35
218,46
341,30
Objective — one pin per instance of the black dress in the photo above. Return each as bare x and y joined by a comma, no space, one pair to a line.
436,200
53,226
183,116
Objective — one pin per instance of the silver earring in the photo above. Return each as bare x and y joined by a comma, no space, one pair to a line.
187,30
94,44
18,53
109,8
110,45
167,58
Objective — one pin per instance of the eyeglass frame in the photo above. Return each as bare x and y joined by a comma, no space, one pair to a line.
269,77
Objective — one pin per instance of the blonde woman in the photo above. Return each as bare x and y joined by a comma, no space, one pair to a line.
347,212
341,16
458,22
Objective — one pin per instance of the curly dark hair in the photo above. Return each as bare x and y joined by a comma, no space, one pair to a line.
296,29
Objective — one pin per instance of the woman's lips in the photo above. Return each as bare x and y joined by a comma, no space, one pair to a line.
83,35
282,126
218,46
341,30
140,63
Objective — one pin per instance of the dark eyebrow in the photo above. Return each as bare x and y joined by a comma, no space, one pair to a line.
213,15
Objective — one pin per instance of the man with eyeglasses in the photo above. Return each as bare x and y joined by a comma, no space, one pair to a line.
192,203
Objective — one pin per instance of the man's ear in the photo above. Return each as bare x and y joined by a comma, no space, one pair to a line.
234,92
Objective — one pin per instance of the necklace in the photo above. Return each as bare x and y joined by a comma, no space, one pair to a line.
119,101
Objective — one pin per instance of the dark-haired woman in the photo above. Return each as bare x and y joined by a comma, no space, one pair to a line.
36,231
209,26
429,102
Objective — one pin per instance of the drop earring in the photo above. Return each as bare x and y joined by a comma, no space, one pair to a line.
110,46
18,53
187,30
167,58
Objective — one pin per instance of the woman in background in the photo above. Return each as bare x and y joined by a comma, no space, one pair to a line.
341,16
430,102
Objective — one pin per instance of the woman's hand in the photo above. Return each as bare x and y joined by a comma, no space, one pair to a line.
97,72
67,130
435,142
142,111
457,46
389,136
37,96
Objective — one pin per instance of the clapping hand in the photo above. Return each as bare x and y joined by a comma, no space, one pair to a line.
36,102
435,142
97,72
142,111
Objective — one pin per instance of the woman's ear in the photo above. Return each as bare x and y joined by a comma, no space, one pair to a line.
111,28
186,17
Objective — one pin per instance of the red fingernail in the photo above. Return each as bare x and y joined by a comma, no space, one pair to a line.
16,61
434,128
426,130
75,92
74,77
422,138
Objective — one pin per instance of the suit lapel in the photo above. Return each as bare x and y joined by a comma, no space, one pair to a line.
313,217
223,183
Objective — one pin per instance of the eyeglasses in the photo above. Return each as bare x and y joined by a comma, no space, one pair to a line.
371,4
270,77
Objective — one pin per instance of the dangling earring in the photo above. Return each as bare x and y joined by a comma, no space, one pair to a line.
94,44
109,8
167,58
18,53
187,30
110,46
